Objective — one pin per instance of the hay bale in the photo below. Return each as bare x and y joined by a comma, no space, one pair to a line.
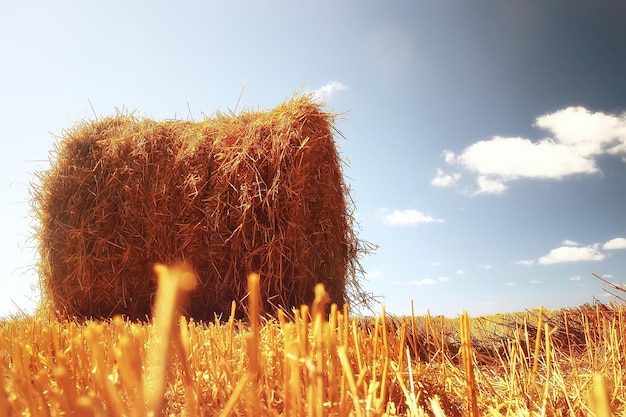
261,191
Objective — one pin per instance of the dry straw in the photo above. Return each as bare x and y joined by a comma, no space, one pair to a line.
304,366
256,192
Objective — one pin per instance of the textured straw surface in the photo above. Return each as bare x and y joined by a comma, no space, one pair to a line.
257,192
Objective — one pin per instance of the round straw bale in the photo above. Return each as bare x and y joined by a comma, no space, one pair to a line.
257,192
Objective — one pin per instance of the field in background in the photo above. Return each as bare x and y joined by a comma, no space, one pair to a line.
310,363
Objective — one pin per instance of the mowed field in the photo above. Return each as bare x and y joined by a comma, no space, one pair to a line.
315,361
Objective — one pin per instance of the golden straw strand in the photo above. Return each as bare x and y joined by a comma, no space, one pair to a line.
468,364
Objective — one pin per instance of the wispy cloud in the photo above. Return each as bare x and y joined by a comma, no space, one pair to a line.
487,185
328,90
407,217
445,180
613,244
459,272
535,281
484,266
423,281
525,262
448,156
577,138
575,278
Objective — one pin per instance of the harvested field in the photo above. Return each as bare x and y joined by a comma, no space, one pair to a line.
559,363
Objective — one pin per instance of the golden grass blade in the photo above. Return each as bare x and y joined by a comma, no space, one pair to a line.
232,400
174,284
600,402
468,364
345,363
548,352
334,365
4,401
533,375
158,359
316,360
436,407
254,317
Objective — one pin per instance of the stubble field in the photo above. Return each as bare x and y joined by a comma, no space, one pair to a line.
316,361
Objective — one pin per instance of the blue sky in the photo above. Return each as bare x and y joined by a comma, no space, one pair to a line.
486,141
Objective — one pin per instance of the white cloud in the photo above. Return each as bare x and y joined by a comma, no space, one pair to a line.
568,242
459,272
489,185
484,266
566,254
445,180
407,218
586,132
577,137
575,278
435,263
423,281
328,90
617,243
510,284
535,281
448,156
512,158
525,262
